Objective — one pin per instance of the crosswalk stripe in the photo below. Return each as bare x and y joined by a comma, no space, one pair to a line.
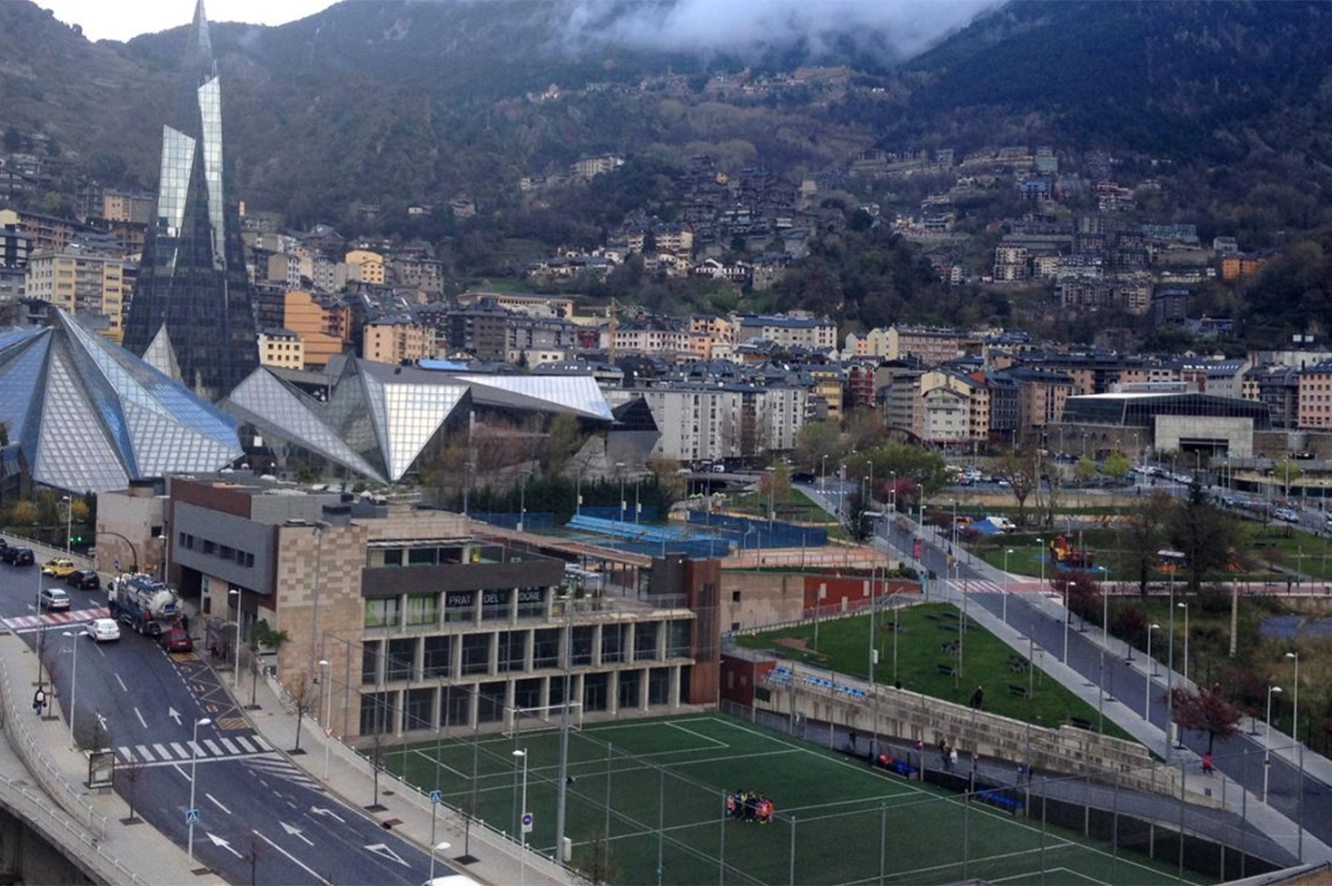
245,744
212,747
263,745
127,754
196,749
144,753
162,751
226,743
180,750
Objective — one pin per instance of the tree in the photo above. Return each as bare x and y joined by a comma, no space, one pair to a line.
1142,534
1206,710
1085,469
1203,533
1017,468
1117,466
129,773
302,697
596,868
1287,472
1083,593
262,635
817,443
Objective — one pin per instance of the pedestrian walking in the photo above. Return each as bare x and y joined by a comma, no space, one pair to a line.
1207,764
851,737
952,760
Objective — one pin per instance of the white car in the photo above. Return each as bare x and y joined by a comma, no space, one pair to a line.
103,629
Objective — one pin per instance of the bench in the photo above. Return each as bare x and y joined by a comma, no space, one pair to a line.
1080,723
952,628
1019,691
946,670
1001,800
1018,665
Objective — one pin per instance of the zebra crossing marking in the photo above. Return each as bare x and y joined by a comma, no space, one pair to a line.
232,723
24,624
205,750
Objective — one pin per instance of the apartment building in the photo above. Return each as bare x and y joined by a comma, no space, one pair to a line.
955,408
322,321
364,266
734,421
80,282
282,348
812,333
397,340
1315,396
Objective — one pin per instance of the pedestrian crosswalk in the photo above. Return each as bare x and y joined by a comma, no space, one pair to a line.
162,753
985,586
271,766
20,624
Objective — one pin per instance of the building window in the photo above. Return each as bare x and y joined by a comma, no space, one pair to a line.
659,686
512,646
594,691
645,640
546,649
422,609
629,685
381,612
420,709
531,602
460,606
401,661
476,654
582,639
527,695
457,705
437,657
393,558
490,703
495,604
612,643
370,662
378,712
677,640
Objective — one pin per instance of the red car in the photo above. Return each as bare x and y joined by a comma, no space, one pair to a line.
177,639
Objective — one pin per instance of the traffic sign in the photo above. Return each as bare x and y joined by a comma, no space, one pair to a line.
191,816
527,822
436,796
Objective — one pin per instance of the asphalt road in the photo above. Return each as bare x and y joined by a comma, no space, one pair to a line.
1240,758
261,819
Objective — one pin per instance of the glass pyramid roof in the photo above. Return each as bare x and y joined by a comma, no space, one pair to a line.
91,416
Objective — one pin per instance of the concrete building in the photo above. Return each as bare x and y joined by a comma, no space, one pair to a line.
813,333
322,321
80,282
397,340
732,421
413,623
282,348
364,266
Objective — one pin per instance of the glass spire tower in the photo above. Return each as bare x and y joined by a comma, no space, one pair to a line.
191,310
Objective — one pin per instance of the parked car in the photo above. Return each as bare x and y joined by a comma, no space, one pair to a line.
60,567
1286,515
103,629
3,544
20,556
53,599
177,639
84,579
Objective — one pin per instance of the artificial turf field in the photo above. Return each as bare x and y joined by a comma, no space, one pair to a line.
837,820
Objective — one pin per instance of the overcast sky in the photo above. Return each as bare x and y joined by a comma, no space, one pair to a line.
119,20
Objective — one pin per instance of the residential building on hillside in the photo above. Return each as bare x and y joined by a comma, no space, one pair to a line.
397,340
80,282
364,266
731,421
322,321
789,331
281,348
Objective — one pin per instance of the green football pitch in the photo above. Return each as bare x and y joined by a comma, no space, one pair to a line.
648,797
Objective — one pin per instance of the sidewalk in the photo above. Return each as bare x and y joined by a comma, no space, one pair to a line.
87,824
349,777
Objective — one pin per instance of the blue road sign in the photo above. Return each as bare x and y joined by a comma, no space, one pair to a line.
436,796
191,816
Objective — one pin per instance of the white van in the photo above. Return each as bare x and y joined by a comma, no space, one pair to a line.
452,880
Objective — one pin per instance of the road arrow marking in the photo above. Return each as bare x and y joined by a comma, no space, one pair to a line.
218,841
319,810
295,832
175,715
382,849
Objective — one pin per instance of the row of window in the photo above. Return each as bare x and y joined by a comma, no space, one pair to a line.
459,606
433,657
431,707
209,548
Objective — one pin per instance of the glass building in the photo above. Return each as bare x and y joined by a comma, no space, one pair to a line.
191,311
89,416
376,420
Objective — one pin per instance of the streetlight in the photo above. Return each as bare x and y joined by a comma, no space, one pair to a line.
444,846
1295,713
1040,555
1267,741
69,521
522,502
240,600
1007,553
73,684
328,710
619,469
1147,665
522,818
193,813
823,475
1185,606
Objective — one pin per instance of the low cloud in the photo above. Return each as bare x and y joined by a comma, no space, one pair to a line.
900,28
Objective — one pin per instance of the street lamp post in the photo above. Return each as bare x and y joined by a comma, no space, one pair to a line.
823,475
619,469
1007,553
328,711
522,819
522,502
1267,741
1295,711
73,685
443,846
1185,606
193,813
1040,555
240,600
69,521
1147,668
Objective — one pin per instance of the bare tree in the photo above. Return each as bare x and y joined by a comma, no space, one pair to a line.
129,773
1142,534
597,867
1207,710
302,697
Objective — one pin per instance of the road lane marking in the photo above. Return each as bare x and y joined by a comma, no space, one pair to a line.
293,858
196,750
217,804
179,749
212,748
162,751
249,748
226,743
127,754
124,688
263,745
137,714
146,754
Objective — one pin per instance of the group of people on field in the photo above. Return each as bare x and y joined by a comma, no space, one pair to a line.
749,806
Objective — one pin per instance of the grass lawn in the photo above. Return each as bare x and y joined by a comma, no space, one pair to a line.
649,795
842,645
